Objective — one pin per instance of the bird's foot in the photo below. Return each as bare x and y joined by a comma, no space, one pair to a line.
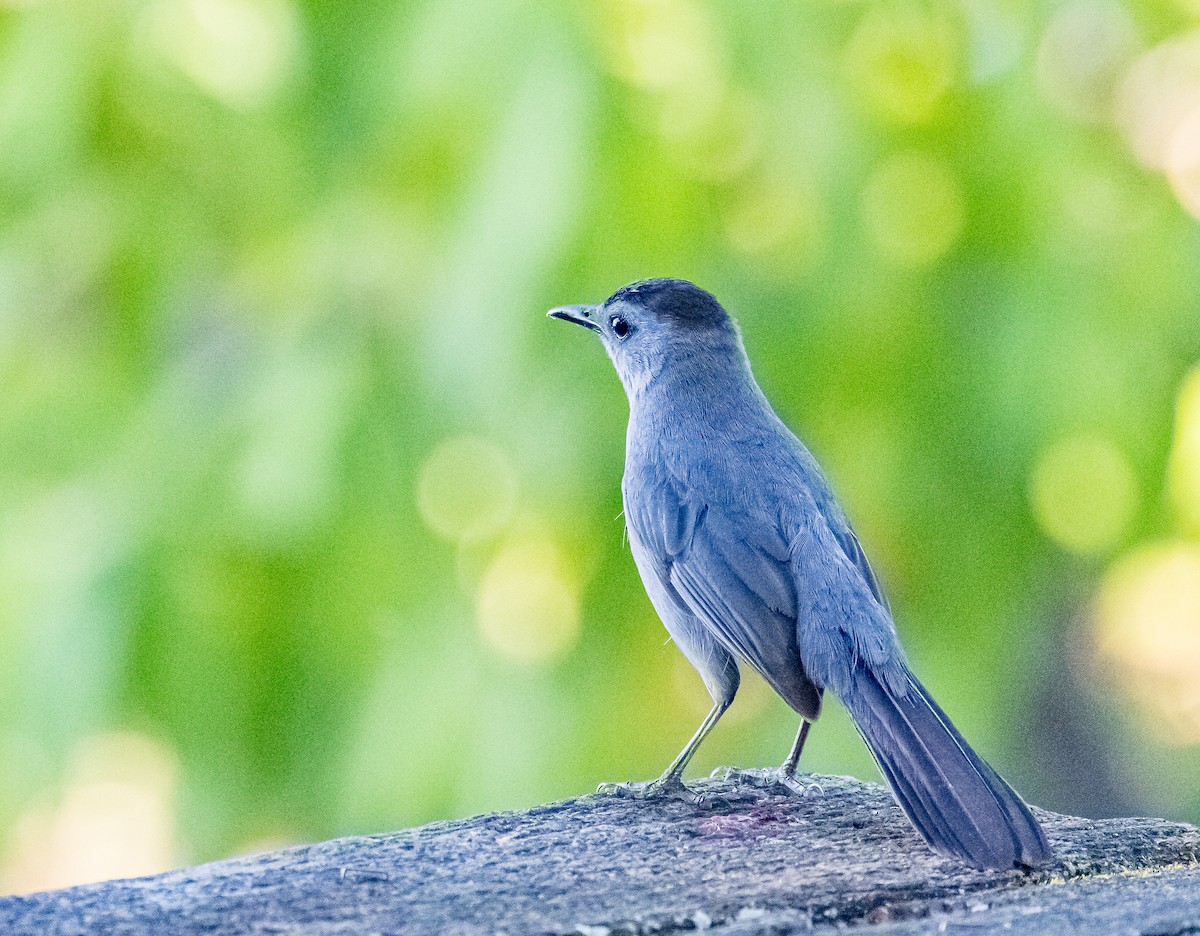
774,780
665,787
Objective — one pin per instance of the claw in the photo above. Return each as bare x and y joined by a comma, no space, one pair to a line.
775,780
667,787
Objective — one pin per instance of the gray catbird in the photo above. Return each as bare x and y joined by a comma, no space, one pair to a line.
748,558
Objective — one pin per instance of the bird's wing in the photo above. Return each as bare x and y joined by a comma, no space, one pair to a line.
740,586
854,552
834,518
853,627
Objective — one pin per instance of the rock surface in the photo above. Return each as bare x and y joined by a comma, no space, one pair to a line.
602,866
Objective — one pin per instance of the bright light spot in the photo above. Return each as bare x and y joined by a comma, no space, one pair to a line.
675,50
115,819
1082,55
912,207
467,489
1148,623
997,39
1102,205
1083,493
662,44
903,60
1182,163
1184,471
1158,94
239,51
528,607
777,215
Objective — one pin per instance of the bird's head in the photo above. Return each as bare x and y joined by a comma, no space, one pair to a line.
654,325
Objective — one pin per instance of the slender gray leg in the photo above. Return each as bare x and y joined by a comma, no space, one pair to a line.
670,784
793,759
710,722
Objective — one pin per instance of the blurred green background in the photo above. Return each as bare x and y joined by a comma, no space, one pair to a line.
309,518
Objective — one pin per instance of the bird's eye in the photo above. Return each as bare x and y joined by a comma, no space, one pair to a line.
619,326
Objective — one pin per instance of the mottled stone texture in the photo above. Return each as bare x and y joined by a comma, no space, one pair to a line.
758,863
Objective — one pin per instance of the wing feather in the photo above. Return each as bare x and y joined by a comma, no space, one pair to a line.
854,552
739,590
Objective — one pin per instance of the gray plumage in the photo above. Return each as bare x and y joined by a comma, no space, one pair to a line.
748,558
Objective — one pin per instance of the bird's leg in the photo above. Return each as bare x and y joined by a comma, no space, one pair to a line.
671,784
783,777
788,770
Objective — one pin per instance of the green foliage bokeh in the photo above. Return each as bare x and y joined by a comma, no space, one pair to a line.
274,271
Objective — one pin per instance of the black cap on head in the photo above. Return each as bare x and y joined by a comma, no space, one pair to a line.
674,299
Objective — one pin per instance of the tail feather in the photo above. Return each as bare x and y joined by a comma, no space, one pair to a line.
958,803
1026,829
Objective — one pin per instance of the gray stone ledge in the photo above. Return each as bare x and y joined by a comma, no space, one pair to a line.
603,866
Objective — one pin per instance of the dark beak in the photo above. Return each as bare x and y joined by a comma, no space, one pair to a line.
579,314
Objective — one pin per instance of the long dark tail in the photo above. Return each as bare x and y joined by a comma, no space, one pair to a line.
958,803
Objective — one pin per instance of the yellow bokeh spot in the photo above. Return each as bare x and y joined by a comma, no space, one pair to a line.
528,607
777,216
1184,471
466,489
674,50
239,51
662,44
1083,493
114,818
912,207
1182,162
1148,623
1103,205
1082,54
903,60
1158,93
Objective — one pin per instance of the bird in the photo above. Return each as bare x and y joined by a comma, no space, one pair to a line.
749,560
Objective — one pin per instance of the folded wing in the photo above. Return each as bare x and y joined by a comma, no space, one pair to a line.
741,589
